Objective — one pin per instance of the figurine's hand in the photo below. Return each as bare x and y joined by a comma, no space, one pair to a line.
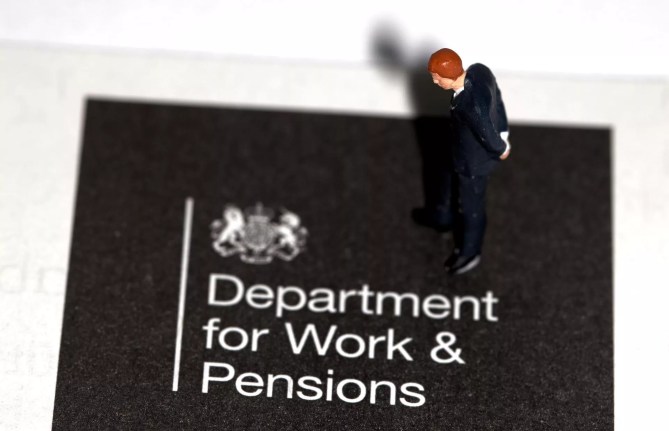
505,137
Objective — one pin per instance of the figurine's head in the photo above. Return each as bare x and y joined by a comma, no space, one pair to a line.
445,66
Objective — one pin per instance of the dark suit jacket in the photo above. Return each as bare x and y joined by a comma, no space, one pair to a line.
478,116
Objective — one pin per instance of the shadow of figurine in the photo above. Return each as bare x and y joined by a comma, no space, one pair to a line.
432,122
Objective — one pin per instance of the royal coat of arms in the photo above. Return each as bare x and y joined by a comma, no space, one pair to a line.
256,235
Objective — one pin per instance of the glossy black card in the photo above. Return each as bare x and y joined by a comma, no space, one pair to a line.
250,269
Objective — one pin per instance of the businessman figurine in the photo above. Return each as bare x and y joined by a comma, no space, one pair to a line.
480,141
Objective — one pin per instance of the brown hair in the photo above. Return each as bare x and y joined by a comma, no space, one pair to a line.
445,63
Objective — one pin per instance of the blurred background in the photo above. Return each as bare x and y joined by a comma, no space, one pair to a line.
595,37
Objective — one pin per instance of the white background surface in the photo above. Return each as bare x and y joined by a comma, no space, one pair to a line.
41,107
610,37
285,54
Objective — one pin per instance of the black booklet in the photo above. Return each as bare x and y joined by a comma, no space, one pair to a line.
257,269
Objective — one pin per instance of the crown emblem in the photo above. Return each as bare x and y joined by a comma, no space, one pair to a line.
256,235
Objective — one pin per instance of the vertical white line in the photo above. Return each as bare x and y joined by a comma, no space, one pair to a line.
185,253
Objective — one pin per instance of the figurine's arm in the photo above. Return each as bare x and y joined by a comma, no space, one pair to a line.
481,125
501,112
504,124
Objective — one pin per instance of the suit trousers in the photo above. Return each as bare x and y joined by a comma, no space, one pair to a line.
470,220
459,200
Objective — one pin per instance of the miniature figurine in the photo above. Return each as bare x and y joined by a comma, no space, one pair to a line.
480,142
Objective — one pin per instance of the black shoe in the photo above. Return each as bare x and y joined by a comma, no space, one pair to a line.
427,218
458,265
